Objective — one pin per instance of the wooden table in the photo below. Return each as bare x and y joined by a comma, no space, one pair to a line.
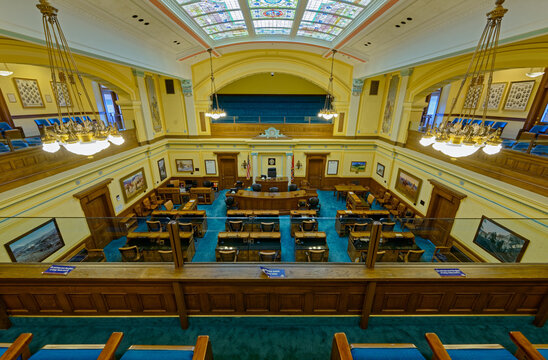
347,218
196,217
354,202
249,244
150,242
205,195
358,189
282,201
298,216
279,182
305,241
192,204
252,218
391,242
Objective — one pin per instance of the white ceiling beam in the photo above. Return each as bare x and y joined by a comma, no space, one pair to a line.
244,6
299,12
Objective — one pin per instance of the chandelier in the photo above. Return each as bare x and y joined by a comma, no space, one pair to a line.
79,134
214,112
328,112
464,136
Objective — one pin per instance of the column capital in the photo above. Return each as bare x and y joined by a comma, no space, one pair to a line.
254,153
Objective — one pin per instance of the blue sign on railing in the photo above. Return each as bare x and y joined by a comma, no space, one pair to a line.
58,270
450,272
273,273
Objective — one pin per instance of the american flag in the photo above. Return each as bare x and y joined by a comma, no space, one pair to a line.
292,169
247,176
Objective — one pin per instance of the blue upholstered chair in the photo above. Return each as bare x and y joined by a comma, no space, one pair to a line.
340,350
4,148
455,120
41,122
488,123
541,150
19,144
521,146
467,351
508,143
54,121
66,120
19,349
4,126
256,187
292,187
201,351
314,204
478,122
526,350
500,124
231,203
539,129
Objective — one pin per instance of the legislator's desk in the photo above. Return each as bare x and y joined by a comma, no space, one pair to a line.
196,217
283,201
347,218
279,182
192,204
252,219
358,189
391,242
170,193
297,218
150,242
205,195
248,244
354,202
314,240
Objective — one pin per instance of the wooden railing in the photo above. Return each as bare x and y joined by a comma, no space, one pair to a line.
252,130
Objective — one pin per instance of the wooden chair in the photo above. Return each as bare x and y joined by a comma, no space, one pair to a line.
154,226
468,351
441,254
130,254
359,227
157,200
168,205
200,351
410,255
175,183
341,350
166,255
19,349
308,225
388,226
380,255
414,224
186,227
526,350
370,199
399,211
95,255
305,185
228,255
315,255
148,206
268,255
385,199
267,226
393,204
236,225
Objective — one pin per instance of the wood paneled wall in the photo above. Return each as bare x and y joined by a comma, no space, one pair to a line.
252,130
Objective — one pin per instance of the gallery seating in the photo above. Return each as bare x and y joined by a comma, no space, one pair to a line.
200,351
466,351
130,254
384,199
341,350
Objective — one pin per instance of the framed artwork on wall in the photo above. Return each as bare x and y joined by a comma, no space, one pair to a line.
11,97
153,103
133,184
162,169
357,166
390,104
36,244
184,165
29,93
380,170
62,95
271,161
332,167
408,185
518,95
472,96
499,241
210,167
495,96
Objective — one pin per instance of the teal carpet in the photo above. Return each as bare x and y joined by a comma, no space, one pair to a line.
216,217
273,338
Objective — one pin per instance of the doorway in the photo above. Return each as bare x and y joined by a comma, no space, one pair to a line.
315,169
228,169
112,110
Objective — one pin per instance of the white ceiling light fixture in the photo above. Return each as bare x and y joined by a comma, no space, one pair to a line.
535,72
6,72
214,112
328,112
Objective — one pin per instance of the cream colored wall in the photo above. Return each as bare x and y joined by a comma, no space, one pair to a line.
265,83
281,161
370,108
173,108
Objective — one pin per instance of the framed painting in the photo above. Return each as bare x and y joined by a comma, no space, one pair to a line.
162,169
472,96
184,165
357,166
36,244
29,93
518,95
210,167
62,95
408,185
380,170
153,103
133,184
332,167
499,241
495,96
390,105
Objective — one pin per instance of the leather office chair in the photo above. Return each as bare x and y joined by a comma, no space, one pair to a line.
267,226
292,187
231,203
268,255
130,254
308,225
360,227
271,172
154,226
207,183
256,187
166,255
274,189
236,226
315,255
239,184
228,255
314,204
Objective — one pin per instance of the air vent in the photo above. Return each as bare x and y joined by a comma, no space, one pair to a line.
374,88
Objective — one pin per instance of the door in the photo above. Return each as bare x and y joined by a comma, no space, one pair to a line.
112,110
228,170
315,169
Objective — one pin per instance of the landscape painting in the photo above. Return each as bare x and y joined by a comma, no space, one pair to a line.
162,169
408,185
133,184
37,244
184,165
357,166
502,243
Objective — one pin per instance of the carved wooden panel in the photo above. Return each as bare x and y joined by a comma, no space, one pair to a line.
252,130
82,303
14,302
255,303
464,302
428,302
192,302
326,302
498,302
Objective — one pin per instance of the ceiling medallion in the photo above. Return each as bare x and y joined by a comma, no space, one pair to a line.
273,13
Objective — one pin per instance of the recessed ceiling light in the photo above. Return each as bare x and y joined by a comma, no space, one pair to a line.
135,16
397,26
403,22
141,20
147,23
409,18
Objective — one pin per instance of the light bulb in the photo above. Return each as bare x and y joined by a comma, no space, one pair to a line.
51,147
492,149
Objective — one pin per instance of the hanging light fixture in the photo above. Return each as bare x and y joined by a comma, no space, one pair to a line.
214,112
87,136
6,72
328,112
463,137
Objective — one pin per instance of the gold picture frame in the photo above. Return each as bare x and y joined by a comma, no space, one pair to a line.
65,100
133,184
408,185
28,91
184,165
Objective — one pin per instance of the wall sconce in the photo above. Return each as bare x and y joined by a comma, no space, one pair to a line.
298,165
244,164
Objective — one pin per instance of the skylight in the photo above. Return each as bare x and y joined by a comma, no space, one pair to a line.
323,20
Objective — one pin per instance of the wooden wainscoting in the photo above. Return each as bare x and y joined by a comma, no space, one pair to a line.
252,130
31,164
513,167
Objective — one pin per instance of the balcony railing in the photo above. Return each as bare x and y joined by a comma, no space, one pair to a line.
271,120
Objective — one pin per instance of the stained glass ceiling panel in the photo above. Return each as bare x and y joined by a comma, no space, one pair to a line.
229,34
273,4
326,19
273,31
206,7
272,14
315,35
324,28
272,23
217,18
237,25
334,7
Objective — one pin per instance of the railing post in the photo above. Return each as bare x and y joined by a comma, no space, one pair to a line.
367,303
175,240
542,314
374,241
5,322
180,302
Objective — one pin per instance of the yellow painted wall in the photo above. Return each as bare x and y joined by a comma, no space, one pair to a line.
173,108
370,108
265,83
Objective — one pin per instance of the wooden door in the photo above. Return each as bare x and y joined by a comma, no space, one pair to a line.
444,203
228,170
97,207
315,169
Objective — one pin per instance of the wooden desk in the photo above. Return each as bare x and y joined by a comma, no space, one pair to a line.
392,242
196,217
358,189
346,218
252,219
305,241
205,195
127,223
282,201
192,204
298,216
249,244
279,182
170,193
354,202
150,242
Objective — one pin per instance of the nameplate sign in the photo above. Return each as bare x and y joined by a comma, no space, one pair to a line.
273,273
58,270
450,272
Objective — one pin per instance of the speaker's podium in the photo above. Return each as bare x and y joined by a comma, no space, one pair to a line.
279,182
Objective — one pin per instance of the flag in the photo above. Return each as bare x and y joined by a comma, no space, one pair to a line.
247,176
292,169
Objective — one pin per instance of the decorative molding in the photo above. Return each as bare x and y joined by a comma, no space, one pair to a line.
272,133
186,85
357,87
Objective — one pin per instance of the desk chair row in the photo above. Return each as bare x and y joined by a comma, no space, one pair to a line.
341,350
19,350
